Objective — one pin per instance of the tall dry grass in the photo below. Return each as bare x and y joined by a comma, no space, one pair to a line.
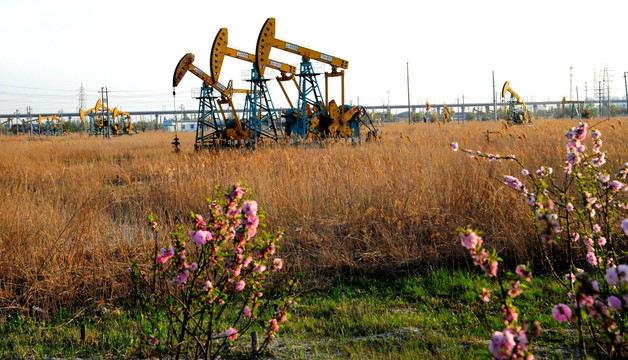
73,209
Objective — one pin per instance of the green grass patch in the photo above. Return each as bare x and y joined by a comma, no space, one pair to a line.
438,315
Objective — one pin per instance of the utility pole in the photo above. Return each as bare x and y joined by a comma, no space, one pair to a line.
607,83
571,83
494,99
408,77
389,113
182,113
463,116
599,98
608,96
104,98
626,85
28,113
17,119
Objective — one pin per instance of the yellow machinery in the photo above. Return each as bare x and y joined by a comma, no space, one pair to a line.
15,128
98,123
312,117
577,109
127,126
9,120
210,129
516,115
259,109
95,109
54,126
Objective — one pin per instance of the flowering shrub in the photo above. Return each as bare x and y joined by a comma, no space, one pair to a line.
581,211
512,341
211,281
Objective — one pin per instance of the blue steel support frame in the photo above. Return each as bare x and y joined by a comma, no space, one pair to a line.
309,93
208,126
262,116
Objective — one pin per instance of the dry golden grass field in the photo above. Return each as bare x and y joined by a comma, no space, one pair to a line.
73,208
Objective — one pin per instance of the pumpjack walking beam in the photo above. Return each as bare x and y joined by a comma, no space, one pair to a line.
308,84
207,105
259,103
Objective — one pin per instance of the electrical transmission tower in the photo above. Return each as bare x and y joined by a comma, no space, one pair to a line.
81,98
606,88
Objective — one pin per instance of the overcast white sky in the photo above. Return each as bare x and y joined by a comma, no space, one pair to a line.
48,48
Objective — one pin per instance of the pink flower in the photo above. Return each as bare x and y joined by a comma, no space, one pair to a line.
236,191
200,223
614,302
240,285
485,295
274,326
617,185
232,209
622,273
586,301
201,237
525,172
600,160
624,226
601,241
182,276
569,134
595,134
514,290
164,255
491,271
259,268
523,272
513,182
569,207
580,133
454,146
611,276
572,159
502,344
277,264
591,258
152,341
247,311
561,312
509,314
479,257
249,208
208,286
596,228
237,270
247,262
231,334
153,225
469,239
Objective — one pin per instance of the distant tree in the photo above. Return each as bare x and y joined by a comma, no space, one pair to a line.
71,126
141,126
615,110
593,110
